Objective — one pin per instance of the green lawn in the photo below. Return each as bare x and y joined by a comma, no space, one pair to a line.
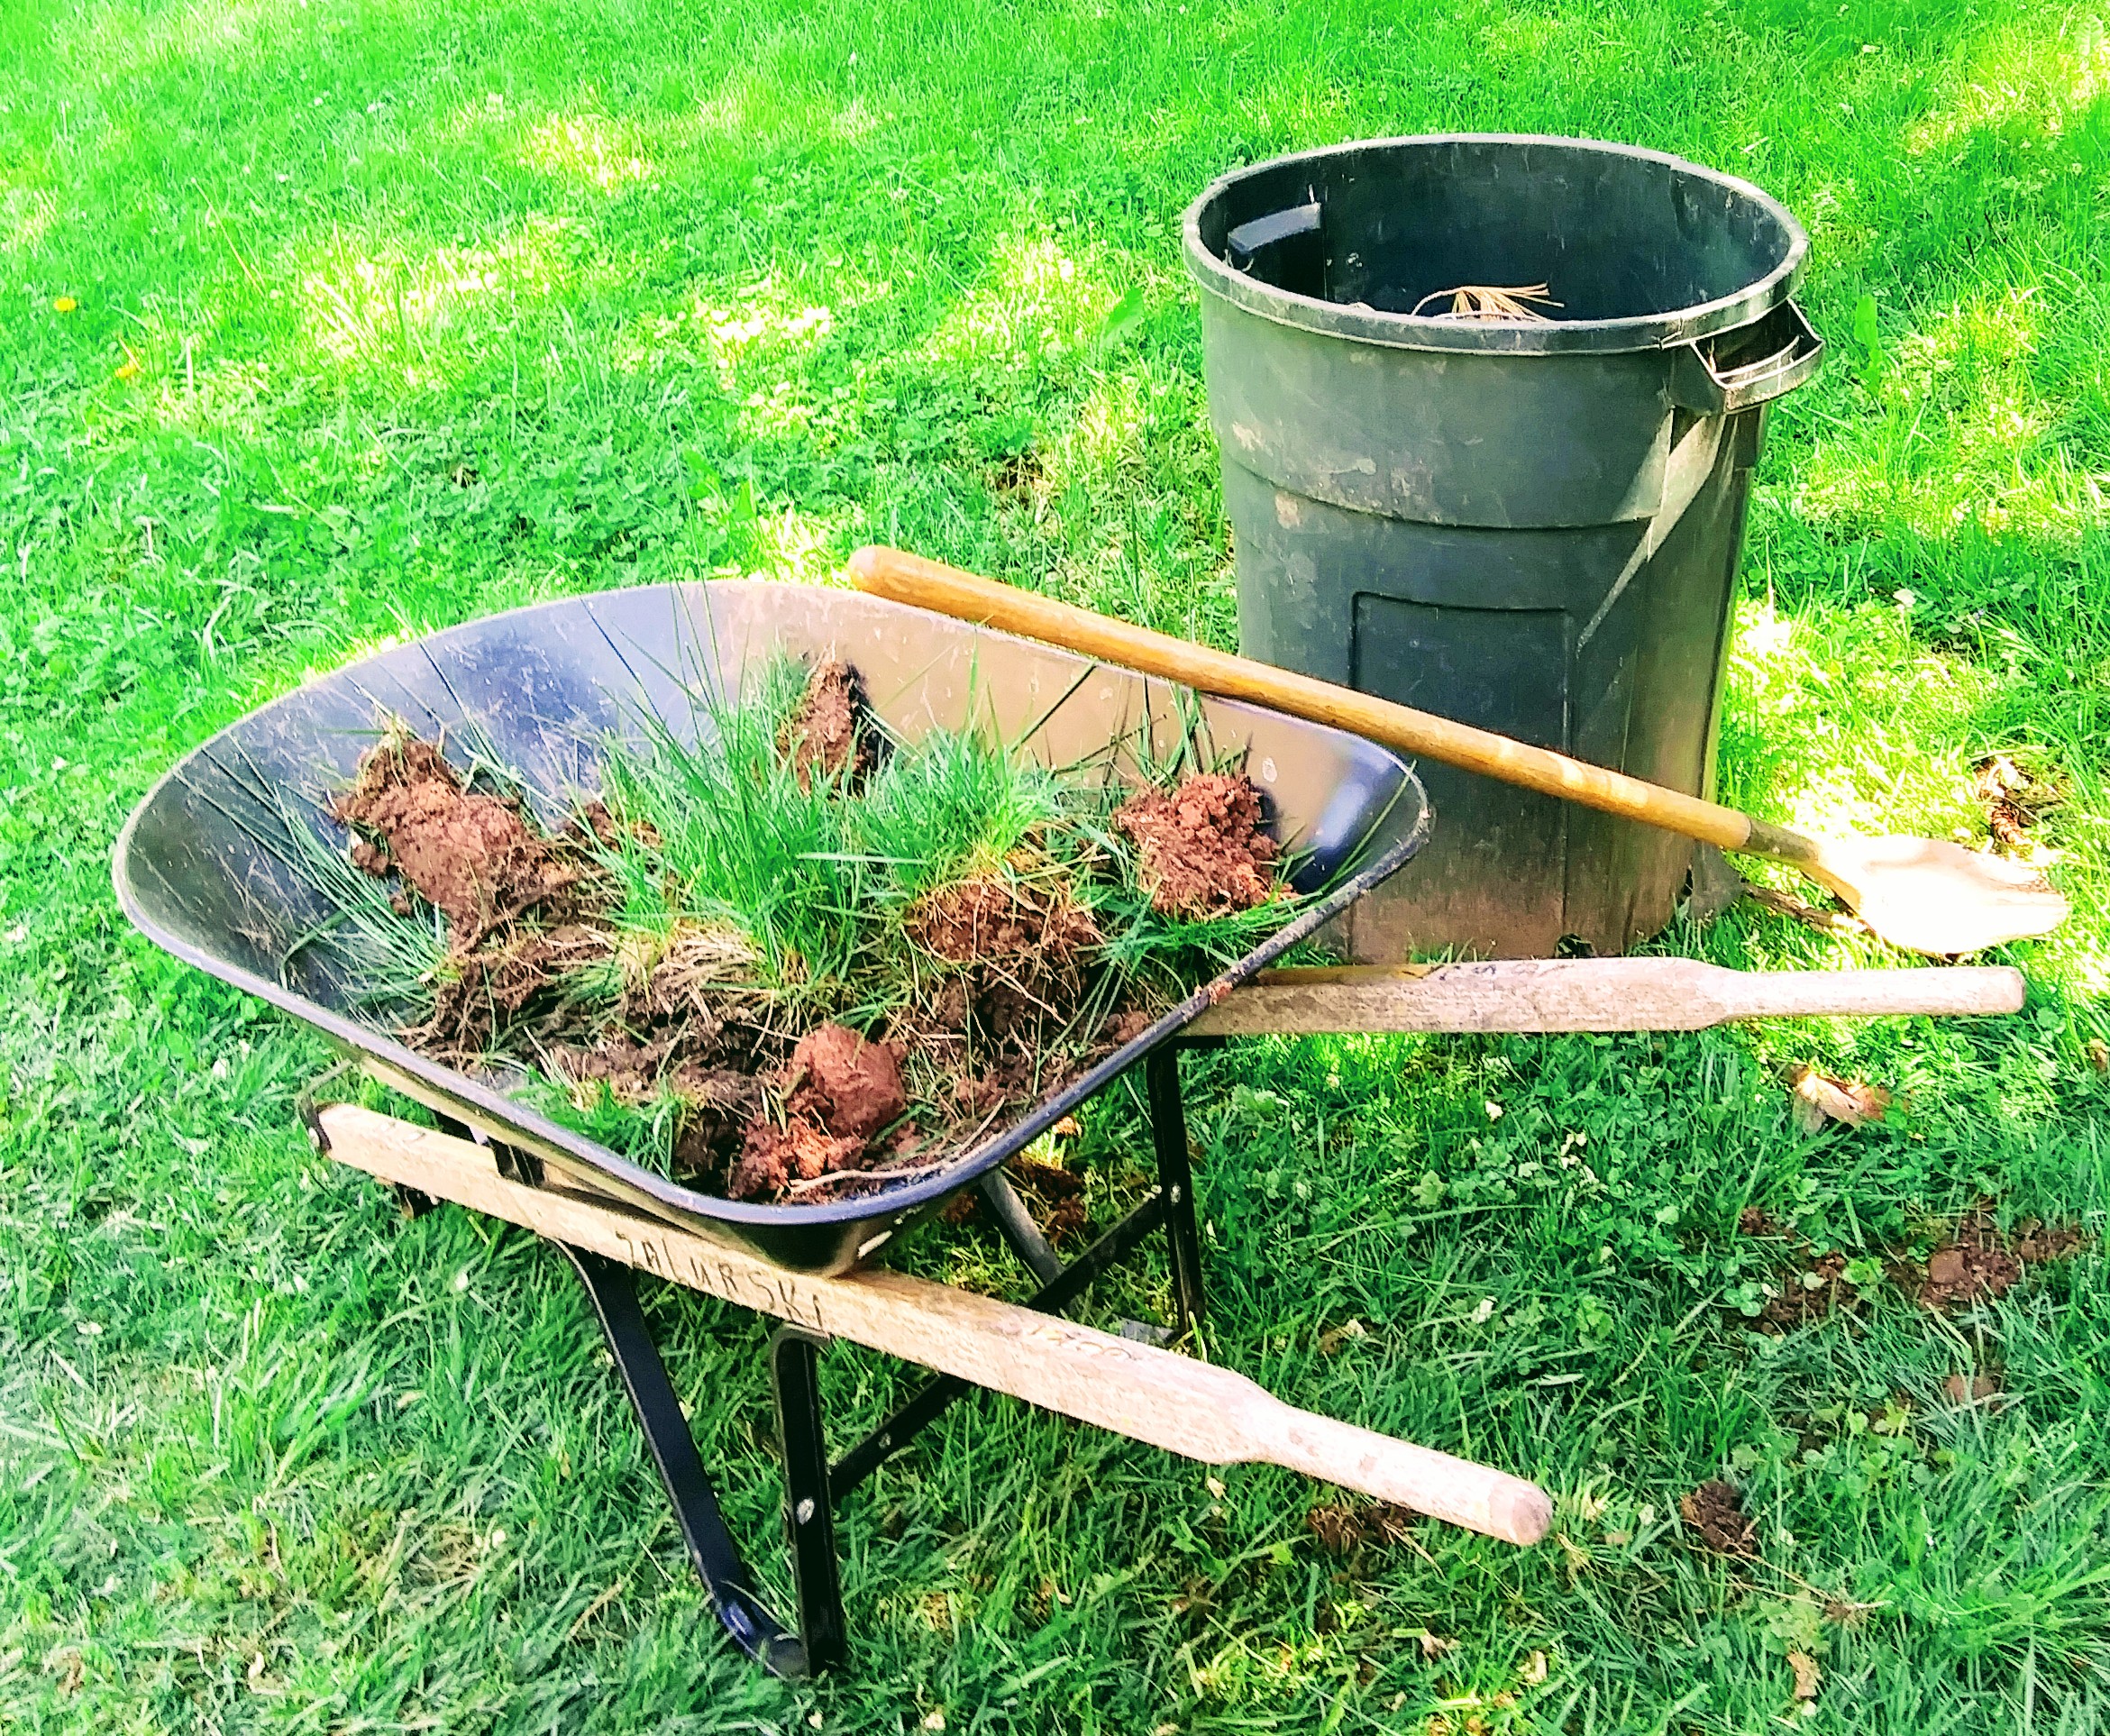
392,312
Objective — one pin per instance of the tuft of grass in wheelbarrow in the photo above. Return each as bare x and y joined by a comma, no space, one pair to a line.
794,957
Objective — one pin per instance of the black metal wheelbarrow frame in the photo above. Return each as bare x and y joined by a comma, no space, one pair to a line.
814,1485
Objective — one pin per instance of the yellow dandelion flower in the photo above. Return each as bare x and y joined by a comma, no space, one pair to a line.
65,304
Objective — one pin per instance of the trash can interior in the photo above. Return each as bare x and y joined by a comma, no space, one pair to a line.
1617,234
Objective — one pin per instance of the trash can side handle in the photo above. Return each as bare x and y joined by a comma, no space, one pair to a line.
1697,384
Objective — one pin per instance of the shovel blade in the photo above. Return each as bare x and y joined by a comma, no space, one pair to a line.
1938,898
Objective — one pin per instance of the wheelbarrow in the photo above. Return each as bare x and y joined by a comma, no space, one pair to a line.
207,867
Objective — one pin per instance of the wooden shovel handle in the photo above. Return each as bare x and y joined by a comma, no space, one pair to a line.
1188,1407
929,584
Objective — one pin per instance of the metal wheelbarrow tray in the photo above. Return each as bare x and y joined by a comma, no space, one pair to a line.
204,867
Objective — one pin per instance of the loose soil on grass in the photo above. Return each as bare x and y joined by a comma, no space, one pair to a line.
1976,1262
1811,1293
763,1113
1343,1530
1714,1513
1979,1263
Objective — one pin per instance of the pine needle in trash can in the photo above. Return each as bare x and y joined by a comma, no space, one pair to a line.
1488,304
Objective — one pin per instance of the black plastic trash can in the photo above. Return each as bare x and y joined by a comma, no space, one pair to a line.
1534,527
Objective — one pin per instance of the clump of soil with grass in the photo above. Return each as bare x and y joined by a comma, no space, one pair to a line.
476,860
1714,1513
795,957
473,858
822,738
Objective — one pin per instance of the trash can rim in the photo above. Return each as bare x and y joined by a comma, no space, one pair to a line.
1406,331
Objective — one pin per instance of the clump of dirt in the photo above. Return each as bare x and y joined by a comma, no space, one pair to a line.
507,969
685,973
975,1094
628,1068
2014,798
1343,1530
1714,1513
2038,1244
986,920
594,821
828,735
1022,949
683,1061
1123,1029
473,858
1813,1288
716,1102
839,1091
1963,1275
850,1085
1978,1262
519,905
1202,849
773,1156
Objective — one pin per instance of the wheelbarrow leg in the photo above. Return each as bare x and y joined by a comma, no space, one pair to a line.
1176,1179
810,1520
613,1292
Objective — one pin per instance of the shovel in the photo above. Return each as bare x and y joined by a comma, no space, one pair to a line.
1924,896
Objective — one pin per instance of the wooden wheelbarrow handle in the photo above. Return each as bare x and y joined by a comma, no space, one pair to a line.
1170,1400
931,584
1591,994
